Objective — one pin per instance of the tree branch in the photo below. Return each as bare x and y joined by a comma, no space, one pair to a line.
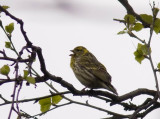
145,106
103,95
33,99
130,10
29,43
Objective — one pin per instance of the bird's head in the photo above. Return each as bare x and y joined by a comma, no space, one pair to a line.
79,51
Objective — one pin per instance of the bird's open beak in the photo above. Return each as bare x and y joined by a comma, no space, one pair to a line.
71,54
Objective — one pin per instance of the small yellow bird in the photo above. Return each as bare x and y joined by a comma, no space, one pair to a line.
89,71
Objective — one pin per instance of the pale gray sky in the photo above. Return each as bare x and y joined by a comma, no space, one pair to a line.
57,26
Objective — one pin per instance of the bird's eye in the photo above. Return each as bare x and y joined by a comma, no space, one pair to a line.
78,50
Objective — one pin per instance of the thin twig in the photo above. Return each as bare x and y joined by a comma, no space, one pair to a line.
9,37
29,43
13,97
88,105
14,91
134,36
143,107
150,109
57,106
150,57
130,10
33,99
18,92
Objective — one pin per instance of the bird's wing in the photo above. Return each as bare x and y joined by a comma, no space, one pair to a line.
92,65
102,74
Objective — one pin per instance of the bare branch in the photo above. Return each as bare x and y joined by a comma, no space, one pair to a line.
132,12
20,22
32,99
145,106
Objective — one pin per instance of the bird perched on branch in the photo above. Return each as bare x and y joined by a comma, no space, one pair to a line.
89,71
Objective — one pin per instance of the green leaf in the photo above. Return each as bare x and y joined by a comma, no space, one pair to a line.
158,66
157,22
155,11
7,44
9,28
5,70
137,27
130,19
125,29
30,80
5,7
157,25
18,117
147,18
121,32
156,30
45,104
56,99
141,52
139,56
139,46
145,50
25,73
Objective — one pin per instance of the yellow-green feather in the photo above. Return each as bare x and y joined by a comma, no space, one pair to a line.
72,62
89,70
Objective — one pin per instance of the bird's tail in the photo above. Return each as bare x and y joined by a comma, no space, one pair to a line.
112,89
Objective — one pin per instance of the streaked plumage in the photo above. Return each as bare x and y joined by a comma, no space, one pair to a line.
89,71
